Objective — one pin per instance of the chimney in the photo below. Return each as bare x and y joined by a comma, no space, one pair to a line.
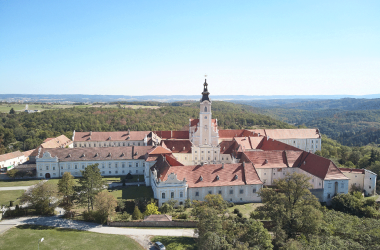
184,148
223,165
90,133
243,164
258,134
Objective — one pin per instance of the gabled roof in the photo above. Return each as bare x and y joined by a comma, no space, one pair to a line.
10,156
115,136
227,147
352,170
97,154
177,146
319,166
60,141
230,133
270,144
214,175
267,159
158,150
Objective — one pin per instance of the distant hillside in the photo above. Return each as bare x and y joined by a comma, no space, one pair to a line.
352,122
26,131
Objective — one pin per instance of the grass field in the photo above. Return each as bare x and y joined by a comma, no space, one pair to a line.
176,243
245,209
12,195
5,108
27,236
18,183
132,192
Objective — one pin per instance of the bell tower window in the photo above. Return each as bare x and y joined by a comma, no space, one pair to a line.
205,109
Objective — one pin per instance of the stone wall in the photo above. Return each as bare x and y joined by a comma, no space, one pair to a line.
186,224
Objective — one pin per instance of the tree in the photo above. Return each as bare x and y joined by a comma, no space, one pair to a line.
12,173
137,215
66,189
41,197
292,207
12,111
105,204
91,184
151,209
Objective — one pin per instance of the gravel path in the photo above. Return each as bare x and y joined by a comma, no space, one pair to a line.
141,235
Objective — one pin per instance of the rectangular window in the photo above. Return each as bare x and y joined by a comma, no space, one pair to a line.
61,167
123,165
76,166
181,194
47,167
220,192
40,174
137,164
103,172
53,168
137,171
342,185
209,192
196,193
82,166
109,165
109,172
115,165
163,195
123,172
116,172
231,191
254,190
172,195
241,191
130,165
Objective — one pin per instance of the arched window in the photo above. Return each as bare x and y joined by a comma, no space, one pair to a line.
205,109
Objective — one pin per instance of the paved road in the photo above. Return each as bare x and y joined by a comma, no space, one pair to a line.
55,221
14,188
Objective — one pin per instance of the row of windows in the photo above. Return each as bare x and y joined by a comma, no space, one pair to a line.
123,165
110,144
241,191
163,195
103,172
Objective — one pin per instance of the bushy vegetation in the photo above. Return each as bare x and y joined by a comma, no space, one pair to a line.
355,204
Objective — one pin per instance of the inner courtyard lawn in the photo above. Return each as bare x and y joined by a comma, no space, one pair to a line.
12,195
132,192
27,237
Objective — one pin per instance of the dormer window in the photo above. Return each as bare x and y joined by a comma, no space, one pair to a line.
109,155
83,155
236,176
201,178
266,161
97,154
217,177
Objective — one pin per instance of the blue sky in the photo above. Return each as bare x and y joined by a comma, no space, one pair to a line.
166,47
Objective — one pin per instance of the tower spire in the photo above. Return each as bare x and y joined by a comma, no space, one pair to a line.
205,92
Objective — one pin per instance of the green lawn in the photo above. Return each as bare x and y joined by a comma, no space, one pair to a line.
12,195
245,209
27,236
18,183
132,192
176,243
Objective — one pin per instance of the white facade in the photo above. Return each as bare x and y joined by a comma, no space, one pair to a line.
12,160
308,145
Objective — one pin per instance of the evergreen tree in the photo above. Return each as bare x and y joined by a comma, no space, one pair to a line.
12,111
66,189
137,215
91,184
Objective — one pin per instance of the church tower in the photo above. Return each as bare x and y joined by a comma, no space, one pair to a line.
205,121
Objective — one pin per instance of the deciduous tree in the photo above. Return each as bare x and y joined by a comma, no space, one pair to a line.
66,188
105,204
42,197
91,184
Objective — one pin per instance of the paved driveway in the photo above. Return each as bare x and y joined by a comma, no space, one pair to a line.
14,188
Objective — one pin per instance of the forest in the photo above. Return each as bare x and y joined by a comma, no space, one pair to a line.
352,122
22,131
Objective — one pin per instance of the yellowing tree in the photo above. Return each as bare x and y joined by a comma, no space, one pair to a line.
151,209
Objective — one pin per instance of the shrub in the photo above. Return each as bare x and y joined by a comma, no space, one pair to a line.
88,215
240,215
129,176
187,203
230,204
236,211
137,215
183,216
180,208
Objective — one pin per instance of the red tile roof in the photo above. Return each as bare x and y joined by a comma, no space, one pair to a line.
115,136
58,142
267,159
172,134
158,217
177,146
210,173
230,133
159,150
276,145
228,147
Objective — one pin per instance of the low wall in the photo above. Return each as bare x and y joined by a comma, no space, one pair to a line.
191,224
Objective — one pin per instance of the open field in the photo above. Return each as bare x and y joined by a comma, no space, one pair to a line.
11,195
5,108
132,192
176,243
27,236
